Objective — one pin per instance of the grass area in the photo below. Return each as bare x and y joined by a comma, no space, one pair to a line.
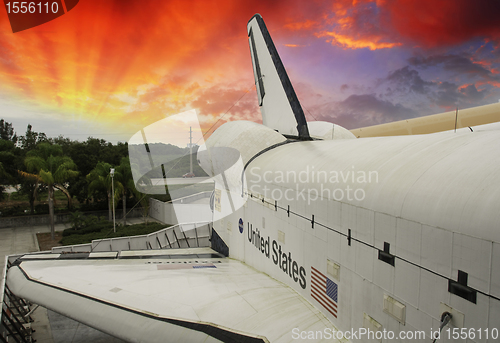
45,241
17,196
17,204
105,230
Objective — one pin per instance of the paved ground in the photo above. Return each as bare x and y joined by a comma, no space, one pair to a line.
21,240
65,330
50,327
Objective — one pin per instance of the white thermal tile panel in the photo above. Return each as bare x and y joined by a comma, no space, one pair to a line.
320,231
383,275
473,256
364,260
316,259
376,308
320,209
347,254
475,315
495,271
348,216
334,216
419,320
385,231
333,245
437,250
408,239
364,225
433,290
494,315
407,282
414,336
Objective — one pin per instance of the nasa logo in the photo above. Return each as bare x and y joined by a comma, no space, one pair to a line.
240,224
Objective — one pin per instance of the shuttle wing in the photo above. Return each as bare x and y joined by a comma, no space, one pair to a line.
177,295
446,121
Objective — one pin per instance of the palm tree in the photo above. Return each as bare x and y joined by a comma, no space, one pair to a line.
141,192
124,176
143,198
100,179
47,164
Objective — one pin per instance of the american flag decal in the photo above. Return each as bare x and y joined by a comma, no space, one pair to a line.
324,291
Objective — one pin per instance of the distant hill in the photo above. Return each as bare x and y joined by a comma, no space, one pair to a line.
175,160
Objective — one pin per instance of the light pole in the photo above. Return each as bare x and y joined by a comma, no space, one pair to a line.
190,151
112,173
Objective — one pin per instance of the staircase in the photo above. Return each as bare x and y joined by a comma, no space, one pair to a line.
15,319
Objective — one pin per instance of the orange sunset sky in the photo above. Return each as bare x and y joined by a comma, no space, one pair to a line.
107,68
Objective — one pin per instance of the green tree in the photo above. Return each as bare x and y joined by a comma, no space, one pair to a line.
7,164
100,179
86,155
29,184
7,131
143,198
127,181
9,156
53,169
31,139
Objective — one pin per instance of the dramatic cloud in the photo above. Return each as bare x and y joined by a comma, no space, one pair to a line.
357,27
405,77
308,24
152,53
219,100
442,23
386,24
363,110
473,95
129,63
449,95
445,94
371,42
457,64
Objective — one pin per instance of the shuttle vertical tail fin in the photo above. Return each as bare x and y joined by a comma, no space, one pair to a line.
278,102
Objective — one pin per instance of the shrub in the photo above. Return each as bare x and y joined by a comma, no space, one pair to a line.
105,230
85,224
42,209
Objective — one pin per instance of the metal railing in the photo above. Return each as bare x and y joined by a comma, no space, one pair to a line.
15,316
188,235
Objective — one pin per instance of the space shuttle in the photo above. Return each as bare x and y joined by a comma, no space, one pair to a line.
317,235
